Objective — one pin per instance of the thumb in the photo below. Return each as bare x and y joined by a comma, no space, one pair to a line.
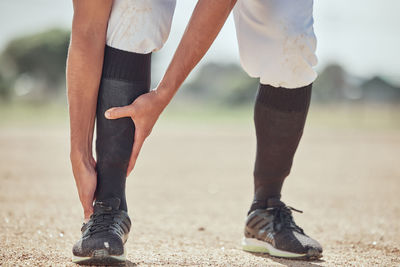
118,112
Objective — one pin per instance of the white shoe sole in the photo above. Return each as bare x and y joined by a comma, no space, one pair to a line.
258,246
100,257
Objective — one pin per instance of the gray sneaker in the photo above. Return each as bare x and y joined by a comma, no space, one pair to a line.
274,231
104,236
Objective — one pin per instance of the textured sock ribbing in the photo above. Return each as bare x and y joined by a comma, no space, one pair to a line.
126,66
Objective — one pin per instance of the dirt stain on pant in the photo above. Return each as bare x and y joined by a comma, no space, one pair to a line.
132,14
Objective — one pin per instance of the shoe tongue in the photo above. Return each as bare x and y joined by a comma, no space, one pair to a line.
275,203
107,204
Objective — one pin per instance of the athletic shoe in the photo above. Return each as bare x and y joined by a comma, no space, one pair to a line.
273,230
103,236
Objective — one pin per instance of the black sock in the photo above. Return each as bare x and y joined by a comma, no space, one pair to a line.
279,118
125,77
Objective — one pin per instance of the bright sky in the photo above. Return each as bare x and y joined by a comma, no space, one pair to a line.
362,35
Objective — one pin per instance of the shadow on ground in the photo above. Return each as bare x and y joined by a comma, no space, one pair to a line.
289,263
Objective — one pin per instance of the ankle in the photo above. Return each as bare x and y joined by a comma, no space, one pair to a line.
261,203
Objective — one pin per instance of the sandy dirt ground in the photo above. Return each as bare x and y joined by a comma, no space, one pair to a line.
190,192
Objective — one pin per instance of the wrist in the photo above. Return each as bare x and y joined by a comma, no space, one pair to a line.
79,157
164,94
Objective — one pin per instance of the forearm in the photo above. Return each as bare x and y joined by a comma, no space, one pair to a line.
84,66
207,20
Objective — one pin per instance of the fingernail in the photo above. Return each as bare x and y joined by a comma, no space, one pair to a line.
108,114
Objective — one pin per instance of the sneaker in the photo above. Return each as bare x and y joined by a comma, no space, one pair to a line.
274,231
103,236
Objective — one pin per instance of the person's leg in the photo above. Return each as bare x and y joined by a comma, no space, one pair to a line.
125,77
279,118
277,44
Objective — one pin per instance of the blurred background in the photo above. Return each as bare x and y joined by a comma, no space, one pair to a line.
357,48
346,174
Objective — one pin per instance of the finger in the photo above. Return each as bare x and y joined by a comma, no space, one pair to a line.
119,112
137,145
93,162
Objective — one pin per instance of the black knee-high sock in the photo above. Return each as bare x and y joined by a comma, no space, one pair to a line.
125,77
279,118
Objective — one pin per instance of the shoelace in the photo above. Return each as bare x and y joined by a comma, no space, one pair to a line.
102,221
283,218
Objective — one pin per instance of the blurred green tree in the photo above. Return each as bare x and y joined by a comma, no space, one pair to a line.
5,88
36,64
225,84
377,89
330,84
